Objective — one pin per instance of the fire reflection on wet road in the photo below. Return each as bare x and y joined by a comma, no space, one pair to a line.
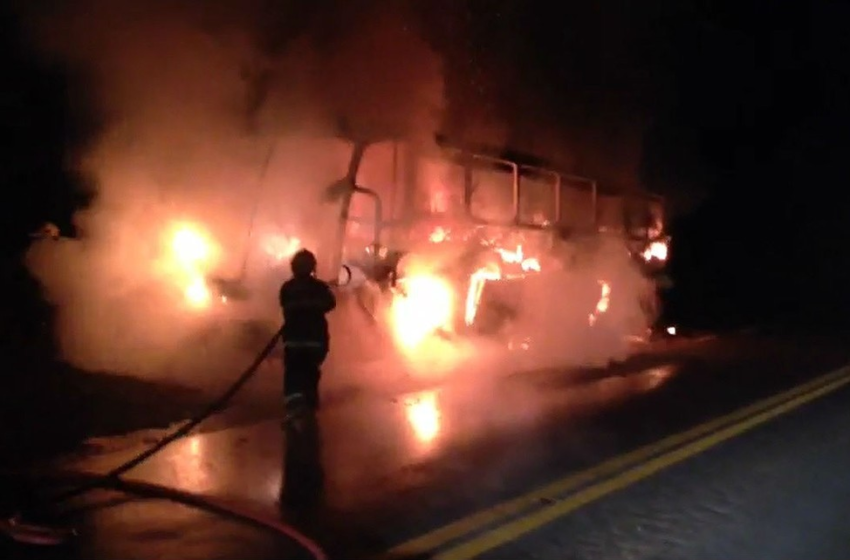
375,441
400,465
423,414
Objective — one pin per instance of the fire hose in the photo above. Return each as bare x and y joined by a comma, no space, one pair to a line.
34,534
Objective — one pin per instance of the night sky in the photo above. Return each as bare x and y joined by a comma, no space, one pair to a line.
736,110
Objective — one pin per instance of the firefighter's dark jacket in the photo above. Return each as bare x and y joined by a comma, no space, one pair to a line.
305,302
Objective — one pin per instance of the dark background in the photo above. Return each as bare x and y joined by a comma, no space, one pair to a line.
735,110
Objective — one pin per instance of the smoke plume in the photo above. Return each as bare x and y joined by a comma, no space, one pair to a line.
221,130
211,127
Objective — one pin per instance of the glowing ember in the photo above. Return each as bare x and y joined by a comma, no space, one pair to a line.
656,250
517,257
530,265
603,303
604,300
510,256
438,235
423,414
424,305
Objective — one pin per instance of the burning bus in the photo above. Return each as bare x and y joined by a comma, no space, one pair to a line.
447,242
435,248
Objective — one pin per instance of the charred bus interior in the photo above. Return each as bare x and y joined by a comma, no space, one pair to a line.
487,225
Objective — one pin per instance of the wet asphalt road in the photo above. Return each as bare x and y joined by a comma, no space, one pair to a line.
779,492
113,525
399,466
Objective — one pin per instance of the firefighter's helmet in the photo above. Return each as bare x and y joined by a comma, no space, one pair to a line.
303,264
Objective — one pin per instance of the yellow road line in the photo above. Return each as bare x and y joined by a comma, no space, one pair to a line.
476,521
515,529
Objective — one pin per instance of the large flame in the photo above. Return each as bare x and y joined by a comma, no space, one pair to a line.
427,302
423,305
192,253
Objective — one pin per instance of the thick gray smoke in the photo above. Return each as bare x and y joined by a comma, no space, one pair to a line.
212,160
217,146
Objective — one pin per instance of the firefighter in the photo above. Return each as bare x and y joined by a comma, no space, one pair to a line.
306,301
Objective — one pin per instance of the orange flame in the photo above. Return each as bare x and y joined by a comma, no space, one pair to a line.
424,305
192,253
493,272
517,257
657,250
197,293
438,235
426,302
603,304
189,245
423,414
476,288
